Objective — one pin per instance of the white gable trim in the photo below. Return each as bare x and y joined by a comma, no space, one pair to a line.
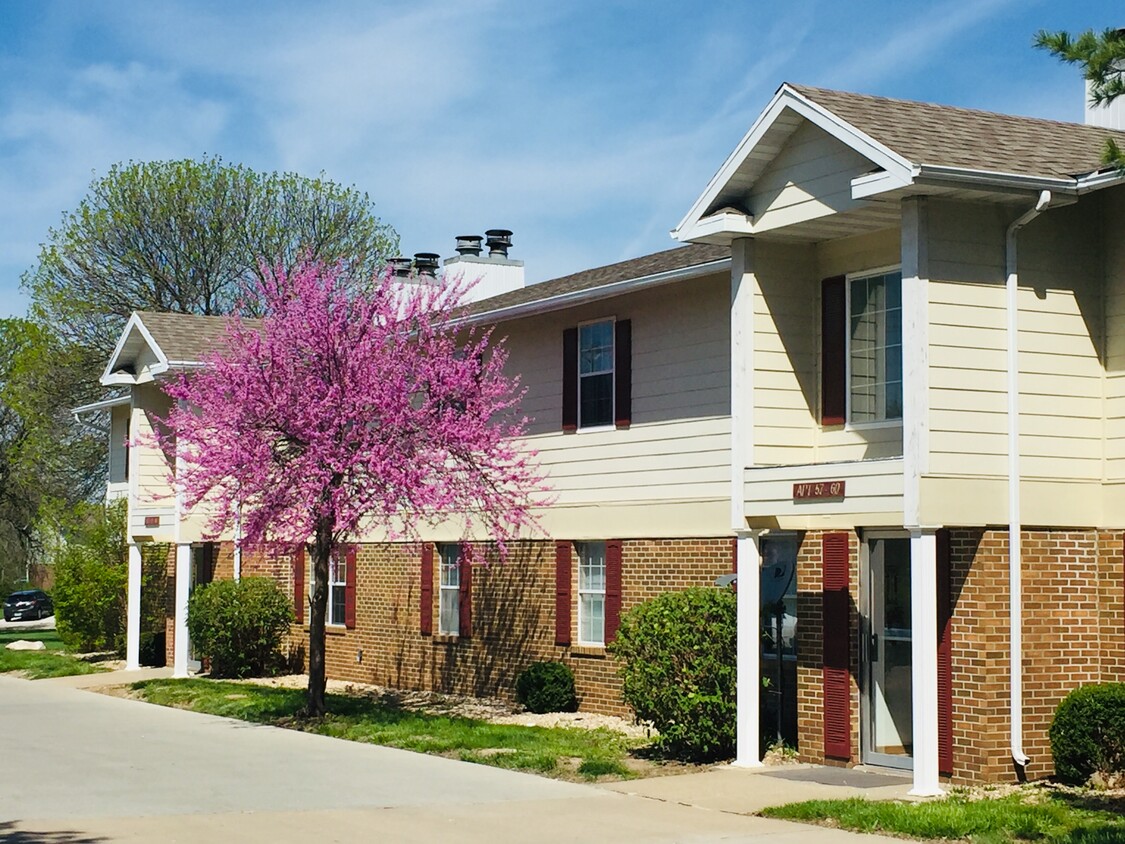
109,378
882,156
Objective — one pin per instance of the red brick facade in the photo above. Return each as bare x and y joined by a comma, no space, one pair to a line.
1074,633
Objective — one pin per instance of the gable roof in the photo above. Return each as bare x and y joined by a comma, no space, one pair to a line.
912,147
185,338
948,136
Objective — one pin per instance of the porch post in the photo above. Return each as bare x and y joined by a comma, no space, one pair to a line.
924,652
133,610
748,659
183,587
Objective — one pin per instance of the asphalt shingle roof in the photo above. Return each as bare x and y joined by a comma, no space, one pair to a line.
924,133
184,337
658,262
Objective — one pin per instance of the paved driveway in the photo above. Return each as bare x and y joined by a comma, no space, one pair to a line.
84,767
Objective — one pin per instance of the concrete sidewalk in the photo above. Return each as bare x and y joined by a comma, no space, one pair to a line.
108,678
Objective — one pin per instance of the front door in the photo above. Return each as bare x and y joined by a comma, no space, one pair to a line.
888,709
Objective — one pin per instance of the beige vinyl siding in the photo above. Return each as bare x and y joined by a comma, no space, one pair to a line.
677,450
786,352
1113,226
873,489
1060,338
118,434
151,465
810,178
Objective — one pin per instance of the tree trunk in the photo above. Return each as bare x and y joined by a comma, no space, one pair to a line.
321,553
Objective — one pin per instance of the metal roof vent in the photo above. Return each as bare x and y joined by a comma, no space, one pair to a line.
427,263
468,244
400,266
499,242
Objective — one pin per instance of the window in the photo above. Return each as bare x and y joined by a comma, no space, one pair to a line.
595,374
337,588
449,594
875,348
591,592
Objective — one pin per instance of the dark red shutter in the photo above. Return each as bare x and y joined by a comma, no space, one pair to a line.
570,380
349,587
465,625
612,589
833,351
836,602
563,552
426,593
299,596
734,554
944,655
623,373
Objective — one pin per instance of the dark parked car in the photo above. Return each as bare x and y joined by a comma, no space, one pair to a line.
31,603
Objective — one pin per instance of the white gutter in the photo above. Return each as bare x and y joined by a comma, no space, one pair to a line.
578,297
1015,559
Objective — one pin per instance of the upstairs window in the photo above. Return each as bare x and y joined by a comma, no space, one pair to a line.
597,375
875,348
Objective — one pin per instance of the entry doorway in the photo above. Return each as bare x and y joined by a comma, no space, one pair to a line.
202,573
778,619
887,733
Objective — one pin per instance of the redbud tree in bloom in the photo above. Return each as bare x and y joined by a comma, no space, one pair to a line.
339,413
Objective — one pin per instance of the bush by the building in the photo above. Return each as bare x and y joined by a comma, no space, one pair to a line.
90,578
239,624
677,654
547,687
1088,733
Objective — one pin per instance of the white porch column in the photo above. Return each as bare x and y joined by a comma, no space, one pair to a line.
133,610
748,660
183,587
924,647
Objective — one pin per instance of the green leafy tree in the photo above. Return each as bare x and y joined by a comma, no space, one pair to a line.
186,236
1102,58
90,580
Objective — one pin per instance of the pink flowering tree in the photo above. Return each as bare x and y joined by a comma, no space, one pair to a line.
340,414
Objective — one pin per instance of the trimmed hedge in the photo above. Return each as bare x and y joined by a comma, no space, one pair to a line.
547,687
239,624
1088,732
678,667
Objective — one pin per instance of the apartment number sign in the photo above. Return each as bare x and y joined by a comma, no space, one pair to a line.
814,490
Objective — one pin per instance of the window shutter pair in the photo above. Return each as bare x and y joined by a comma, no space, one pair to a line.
622,376
564,598
833,351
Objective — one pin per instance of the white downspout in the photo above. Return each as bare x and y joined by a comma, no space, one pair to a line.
1015,587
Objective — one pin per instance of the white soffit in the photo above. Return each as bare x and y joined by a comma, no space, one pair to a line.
762,143
133,338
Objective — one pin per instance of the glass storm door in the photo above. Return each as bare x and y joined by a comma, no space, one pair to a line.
888,729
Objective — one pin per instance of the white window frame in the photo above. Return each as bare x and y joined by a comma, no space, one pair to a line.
337,577
584,561
610,425
449,591
848,279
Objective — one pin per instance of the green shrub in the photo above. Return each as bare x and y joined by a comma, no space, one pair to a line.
1088,732
238,625
678,666
547,687
90,579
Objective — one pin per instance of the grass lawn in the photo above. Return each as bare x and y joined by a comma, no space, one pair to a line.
1035,813
35,665
566,753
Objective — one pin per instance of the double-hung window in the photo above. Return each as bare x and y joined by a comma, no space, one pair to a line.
595,374
591,592
875,347
449,593
337,587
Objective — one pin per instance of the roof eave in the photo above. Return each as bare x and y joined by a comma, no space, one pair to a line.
110,377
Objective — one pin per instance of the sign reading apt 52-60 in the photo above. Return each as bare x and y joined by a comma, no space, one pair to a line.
818,489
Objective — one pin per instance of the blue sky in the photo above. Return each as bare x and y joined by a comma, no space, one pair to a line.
588,128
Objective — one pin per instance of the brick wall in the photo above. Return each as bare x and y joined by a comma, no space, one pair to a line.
513,618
